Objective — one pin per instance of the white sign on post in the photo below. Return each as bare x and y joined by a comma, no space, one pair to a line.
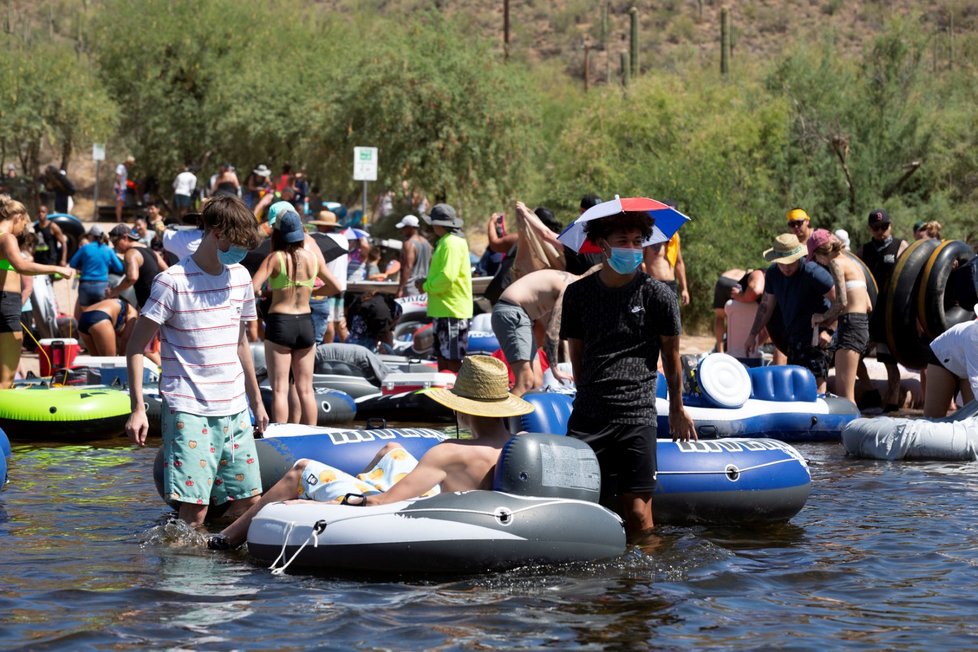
98,151
364,163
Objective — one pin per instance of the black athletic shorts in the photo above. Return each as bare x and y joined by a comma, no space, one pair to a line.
721,291
625,452
10,312
814,358
291,331
853,332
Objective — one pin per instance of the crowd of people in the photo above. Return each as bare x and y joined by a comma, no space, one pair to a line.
260,268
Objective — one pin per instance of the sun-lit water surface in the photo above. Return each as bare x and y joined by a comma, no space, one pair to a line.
884,555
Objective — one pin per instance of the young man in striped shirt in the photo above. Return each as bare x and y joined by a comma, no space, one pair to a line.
200,307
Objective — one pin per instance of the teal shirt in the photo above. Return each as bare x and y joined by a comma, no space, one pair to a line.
449,284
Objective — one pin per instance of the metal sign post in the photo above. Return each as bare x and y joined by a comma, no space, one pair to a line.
365,169
98,154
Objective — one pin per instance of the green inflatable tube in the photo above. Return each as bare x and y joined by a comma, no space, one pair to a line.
63,413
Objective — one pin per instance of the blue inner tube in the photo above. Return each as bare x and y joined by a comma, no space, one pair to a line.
4,444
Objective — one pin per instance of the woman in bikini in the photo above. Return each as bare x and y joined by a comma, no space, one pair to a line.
291,271
13,221
851,307
105,326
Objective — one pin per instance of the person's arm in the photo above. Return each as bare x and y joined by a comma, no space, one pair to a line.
60,237
552,339
531,220
113,261
131,274
429,472
331,286
841,299
408,256
251,381
753,291
26,287
262,204
438,281
137,426
681,278
680,424
28,267
497,243
263,272
75,259
761,318
575,351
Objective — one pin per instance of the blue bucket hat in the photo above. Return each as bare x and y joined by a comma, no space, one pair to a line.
289,224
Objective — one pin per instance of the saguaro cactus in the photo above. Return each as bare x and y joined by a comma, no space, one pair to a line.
633,41
724,41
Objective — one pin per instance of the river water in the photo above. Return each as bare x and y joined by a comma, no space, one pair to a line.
883,556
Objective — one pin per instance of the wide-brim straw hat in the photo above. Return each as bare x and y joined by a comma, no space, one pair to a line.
786,250
482,390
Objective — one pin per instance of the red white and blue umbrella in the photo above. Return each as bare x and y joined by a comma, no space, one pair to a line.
667,220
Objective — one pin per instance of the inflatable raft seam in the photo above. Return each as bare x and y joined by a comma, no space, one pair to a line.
724,472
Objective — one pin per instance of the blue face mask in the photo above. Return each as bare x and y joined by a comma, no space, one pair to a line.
232,256
624,260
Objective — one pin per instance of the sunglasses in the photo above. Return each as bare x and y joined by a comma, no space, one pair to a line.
880,227
793,224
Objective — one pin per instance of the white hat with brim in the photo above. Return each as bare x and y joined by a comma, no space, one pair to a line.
482,390
786,250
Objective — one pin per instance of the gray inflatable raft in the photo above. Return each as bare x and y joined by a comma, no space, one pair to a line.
953,438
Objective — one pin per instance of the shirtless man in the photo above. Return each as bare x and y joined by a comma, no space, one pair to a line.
741,286
664,262
531,298
483,405
415,258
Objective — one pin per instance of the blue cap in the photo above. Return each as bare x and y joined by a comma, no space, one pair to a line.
289,224
275,210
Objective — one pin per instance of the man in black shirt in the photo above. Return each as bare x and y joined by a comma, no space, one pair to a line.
880,255
615,322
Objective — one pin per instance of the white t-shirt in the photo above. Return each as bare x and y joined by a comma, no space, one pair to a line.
182,243
200,319
185,183
957,349
121,175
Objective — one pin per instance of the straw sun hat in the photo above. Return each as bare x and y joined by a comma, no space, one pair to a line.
482,390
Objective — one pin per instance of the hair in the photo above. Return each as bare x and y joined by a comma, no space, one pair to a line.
11,207
374,253
232,217
547,217
587,201
832,248
932,228
286,169
27,241
290,248
605,226
102,239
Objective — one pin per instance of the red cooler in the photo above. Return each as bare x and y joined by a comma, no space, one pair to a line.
57,353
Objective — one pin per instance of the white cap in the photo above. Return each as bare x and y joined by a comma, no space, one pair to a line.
408,220
843,237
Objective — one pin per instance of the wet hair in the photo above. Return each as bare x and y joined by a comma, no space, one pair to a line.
232,217
605,226
11,207
587,201
831,248
547,217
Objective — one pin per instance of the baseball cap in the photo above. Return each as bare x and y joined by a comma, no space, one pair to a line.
818,238
289,224
95,231
878,216
408,220
797,214
123,231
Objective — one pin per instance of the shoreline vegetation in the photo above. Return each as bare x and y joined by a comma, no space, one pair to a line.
822,120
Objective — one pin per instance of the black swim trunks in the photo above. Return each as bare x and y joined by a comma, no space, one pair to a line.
10,312
625,452
291,331
804,354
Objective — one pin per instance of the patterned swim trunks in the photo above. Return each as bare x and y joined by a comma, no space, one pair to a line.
325,483
209,460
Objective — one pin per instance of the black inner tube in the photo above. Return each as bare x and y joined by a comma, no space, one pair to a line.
937,304
900,319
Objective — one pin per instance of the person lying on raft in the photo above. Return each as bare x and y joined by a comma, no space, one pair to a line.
481,402
105,326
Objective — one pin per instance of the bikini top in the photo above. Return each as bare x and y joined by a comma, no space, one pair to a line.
851,285
123,311
282,281
6,266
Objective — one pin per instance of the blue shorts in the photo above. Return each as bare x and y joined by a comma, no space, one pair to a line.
90,292
320,317
337,311
451,337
